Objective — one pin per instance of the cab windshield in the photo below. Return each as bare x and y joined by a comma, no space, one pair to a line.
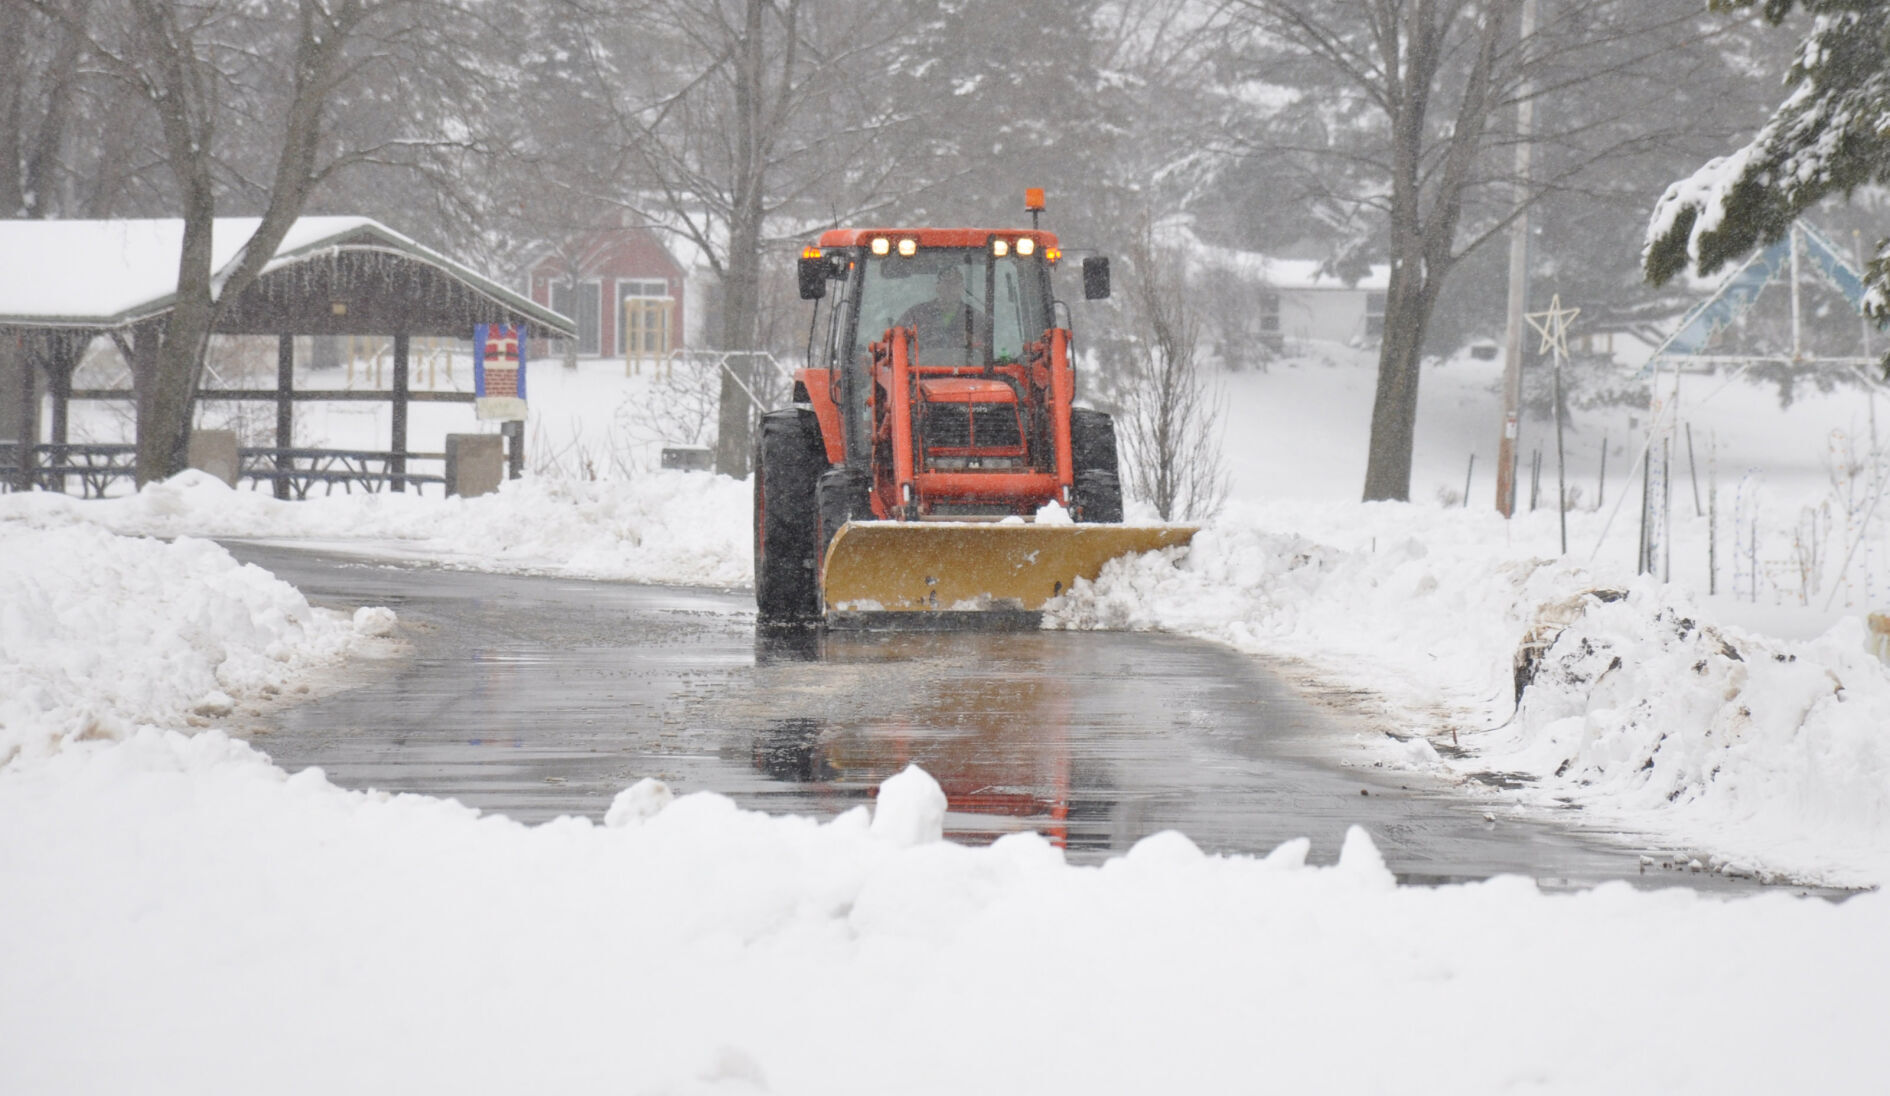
959,301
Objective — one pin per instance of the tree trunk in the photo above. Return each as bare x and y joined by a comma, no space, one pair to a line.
12,118
42,158
164,425
741,273
1394,409
741,283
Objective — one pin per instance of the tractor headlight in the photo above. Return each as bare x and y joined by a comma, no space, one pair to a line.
1000,248
908,248
1026,246
881,245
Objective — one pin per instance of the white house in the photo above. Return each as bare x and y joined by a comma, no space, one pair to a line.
1295,299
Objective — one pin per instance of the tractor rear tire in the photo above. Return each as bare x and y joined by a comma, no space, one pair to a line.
789,458
1093,441
1096,497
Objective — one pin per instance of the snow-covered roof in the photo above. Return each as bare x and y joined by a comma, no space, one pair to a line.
1289,273
107,274
1180,232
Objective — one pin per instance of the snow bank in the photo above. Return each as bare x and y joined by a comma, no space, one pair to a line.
99,633
1768,751
180,916
1770,758
660,527
1755,746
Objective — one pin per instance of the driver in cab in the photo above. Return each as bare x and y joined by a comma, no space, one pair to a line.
946,326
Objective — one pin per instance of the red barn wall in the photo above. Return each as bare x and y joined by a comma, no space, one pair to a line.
608,257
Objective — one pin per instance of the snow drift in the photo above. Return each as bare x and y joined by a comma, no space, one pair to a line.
1769,751
99,633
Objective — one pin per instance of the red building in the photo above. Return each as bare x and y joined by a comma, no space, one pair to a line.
622,288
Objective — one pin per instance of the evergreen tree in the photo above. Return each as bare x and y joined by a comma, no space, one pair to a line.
1826,138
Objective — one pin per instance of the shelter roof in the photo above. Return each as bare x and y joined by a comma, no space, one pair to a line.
101,275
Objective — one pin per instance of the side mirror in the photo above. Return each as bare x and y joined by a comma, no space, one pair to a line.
1095,278
813,275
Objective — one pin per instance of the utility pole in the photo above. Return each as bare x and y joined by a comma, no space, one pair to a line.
1518,285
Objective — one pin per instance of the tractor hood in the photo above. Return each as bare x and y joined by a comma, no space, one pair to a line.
966,390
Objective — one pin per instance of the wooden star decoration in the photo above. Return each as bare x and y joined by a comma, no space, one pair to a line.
1552,325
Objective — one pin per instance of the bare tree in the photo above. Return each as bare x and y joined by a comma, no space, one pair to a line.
39,78
1171,424
1408,129
740,119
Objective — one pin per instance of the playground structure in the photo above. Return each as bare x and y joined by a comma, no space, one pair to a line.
430,359
1836,530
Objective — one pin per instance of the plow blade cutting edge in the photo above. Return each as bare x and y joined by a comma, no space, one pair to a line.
966,567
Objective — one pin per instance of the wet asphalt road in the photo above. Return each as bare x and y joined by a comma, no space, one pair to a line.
536,697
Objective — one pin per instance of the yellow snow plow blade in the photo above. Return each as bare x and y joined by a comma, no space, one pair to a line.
969,567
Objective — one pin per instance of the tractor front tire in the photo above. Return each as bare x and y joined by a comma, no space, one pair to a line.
1093,441
789,459
1096,497
842,495
1096,494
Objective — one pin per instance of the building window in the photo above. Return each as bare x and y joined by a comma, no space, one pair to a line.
584,311
646,329
1374,315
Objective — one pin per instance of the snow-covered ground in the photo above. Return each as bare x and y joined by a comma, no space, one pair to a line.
178,914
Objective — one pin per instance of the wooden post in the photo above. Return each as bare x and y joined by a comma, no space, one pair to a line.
1693,470
1752,557
1666,512
59,366
285,412
1601,481
144,357
1640,556
514,432
631,332
60,379
1561,461
1712,515
398,464
26,426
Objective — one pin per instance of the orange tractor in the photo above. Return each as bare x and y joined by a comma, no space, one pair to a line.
931,433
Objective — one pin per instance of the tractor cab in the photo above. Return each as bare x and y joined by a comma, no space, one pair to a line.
967,308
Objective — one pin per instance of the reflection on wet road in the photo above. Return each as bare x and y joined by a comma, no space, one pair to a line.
535,697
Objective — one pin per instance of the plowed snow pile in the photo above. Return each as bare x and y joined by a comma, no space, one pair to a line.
665,527
1770,752
99,633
